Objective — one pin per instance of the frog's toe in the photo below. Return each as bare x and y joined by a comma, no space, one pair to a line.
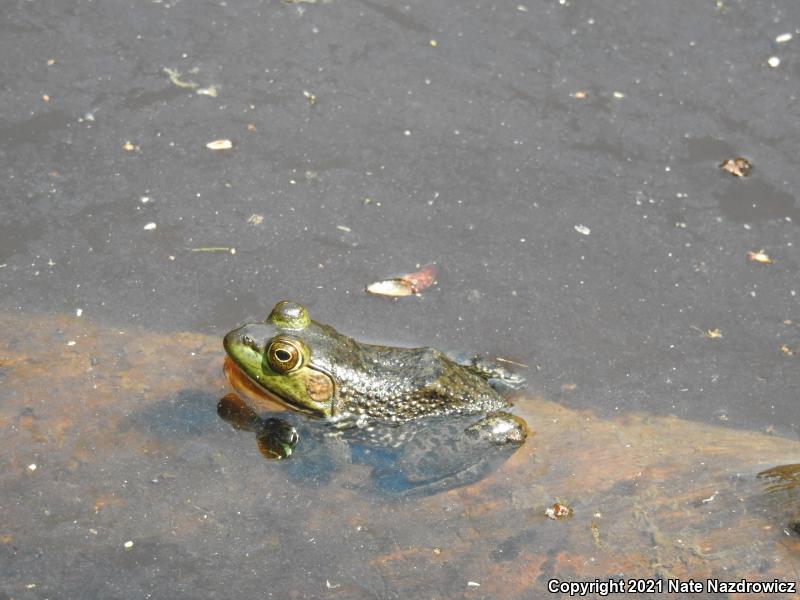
499,376
500,428
508,383
276,438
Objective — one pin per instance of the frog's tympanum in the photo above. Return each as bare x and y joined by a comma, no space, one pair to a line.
293,361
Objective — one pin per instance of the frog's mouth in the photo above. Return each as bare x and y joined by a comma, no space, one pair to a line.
318,389
249,390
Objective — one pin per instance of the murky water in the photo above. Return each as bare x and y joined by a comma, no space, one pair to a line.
558,161
120,480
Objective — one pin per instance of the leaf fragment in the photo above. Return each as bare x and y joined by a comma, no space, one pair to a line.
738,167
405,285
220,145
760,257
558,511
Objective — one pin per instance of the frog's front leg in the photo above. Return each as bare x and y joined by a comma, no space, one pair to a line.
500,428
497,375
276,438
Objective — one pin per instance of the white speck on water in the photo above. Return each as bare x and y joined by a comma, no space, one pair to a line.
773,61
150,226
78,312
71,343
709,499
784,37
32,467
583,229
473,584
128,545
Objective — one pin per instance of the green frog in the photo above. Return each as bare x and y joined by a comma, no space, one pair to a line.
407,405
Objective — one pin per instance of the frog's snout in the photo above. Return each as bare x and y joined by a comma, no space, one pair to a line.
231,339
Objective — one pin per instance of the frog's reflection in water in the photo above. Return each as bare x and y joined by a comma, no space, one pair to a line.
419,458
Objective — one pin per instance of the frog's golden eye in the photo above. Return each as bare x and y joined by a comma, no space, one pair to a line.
284,355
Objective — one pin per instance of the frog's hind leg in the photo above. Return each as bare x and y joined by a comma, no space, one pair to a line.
494,371
500,428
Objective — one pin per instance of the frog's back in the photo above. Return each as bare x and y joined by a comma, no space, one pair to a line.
402,384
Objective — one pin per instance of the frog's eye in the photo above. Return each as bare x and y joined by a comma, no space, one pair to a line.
284,355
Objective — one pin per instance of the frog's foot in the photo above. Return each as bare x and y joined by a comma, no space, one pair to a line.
500,428
276,438
495,372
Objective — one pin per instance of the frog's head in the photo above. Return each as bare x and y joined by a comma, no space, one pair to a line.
278,356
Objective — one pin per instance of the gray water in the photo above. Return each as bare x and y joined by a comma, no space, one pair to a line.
477,137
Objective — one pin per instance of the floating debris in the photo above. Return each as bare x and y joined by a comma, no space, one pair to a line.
128,545
344,228
312,98
434,43
255,219
558,511
580,95
213,249
595,529
760,257
738,167
511,362
583,229
711,334
32,467
175,79
129,146
150,226
711,498
220,145
208,91
782,38
774,62
406,285
252,127
787,351
45,97
396,288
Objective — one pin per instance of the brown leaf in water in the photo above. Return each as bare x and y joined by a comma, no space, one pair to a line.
405,285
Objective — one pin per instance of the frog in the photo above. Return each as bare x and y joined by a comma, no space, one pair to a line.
382,396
